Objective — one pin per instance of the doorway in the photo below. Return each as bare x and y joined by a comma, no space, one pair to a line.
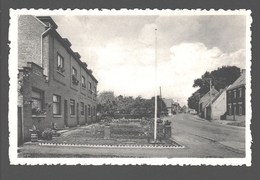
66,113
77,113
20,126
86,115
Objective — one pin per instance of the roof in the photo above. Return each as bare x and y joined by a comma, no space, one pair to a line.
239,82
168,102
204,99
217,96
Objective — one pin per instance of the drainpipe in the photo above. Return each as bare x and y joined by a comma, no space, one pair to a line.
45,32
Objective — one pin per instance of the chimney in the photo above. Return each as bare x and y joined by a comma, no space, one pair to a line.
67,42
77,54
85,64
242,71
48,21
90,71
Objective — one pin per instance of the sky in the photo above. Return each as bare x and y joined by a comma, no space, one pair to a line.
121,50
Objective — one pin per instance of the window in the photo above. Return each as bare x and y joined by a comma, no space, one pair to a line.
240,109
56,104
60,63
74,76
72,107
83,82
88,110
37,102
81,108
74,72
229,95
95,89
90,91
240,92
234,93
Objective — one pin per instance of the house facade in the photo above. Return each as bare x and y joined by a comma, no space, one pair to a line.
54,85
205,100
218,105
236,99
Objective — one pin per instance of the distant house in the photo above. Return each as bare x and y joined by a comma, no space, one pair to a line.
169,105
219,107
236,99
184,109
205,100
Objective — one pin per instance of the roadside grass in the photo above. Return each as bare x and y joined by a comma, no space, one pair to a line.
237,123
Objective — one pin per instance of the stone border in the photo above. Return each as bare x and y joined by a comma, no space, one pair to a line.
111,146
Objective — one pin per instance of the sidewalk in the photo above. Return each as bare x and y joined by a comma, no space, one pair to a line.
223,122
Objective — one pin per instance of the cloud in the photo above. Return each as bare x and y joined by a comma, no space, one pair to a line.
120,50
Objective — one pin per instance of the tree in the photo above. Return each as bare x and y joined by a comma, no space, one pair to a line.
106,102
220,78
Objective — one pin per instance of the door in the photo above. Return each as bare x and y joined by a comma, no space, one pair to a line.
91,109
20,127
235,110
66,113
77,113
86,115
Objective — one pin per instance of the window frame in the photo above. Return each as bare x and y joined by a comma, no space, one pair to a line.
83,81
240,92
58,104
234,94
40,101
60,63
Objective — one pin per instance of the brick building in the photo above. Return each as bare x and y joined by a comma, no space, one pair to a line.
236,99
54,85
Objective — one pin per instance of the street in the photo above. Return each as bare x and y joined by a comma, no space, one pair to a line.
200,139
208,137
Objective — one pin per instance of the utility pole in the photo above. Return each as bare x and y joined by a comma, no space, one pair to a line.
210,94
155,97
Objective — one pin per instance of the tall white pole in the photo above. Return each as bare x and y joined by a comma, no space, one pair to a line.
155,105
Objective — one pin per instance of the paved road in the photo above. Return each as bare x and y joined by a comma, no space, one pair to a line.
187,128
200,138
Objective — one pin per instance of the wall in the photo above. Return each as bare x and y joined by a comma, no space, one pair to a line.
29,42
219,106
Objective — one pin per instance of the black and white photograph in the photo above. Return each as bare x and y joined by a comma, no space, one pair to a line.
155,87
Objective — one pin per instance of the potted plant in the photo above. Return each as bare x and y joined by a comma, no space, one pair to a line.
34,134
37,111
47,134
167,123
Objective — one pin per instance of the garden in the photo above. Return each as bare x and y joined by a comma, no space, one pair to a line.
118,132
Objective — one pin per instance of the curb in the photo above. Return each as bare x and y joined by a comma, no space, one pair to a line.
112,146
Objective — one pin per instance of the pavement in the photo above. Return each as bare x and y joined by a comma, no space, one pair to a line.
217,121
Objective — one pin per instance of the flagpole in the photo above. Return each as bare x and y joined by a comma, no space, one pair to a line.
155,105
